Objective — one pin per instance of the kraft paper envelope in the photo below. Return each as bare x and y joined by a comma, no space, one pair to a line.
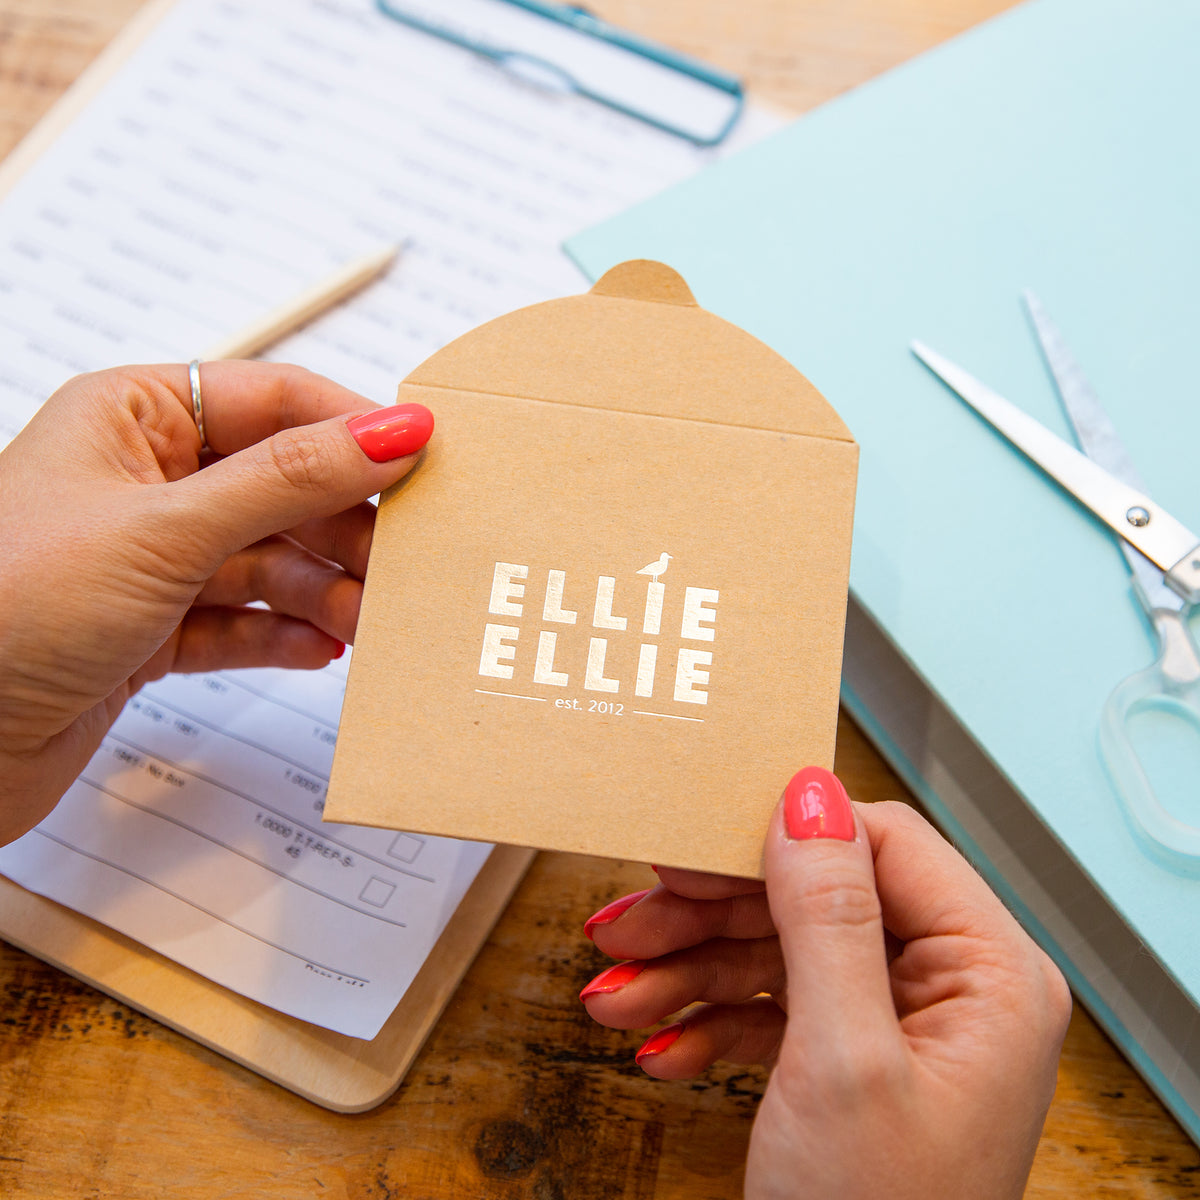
605,612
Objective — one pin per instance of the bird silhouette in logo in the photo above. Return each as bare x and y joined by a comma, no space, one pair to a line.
656,568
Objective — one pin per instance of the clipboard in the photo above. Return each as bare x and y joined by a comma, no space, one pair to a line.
338,1072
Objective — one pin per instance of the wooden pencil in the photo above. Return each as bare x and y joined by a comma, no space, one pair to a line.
292,314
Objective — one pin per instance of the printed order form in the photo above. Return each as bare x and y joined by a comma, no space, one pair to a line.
244,152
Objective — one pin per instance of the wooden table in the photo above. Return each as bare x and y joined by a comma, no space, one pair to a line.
517,1094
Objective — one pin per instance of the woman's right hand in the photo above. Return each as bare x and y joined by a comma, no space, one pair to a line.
913,1026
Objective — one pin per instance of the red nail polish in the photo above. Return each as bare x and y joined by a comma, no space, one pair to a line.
614,979
815,805
390,433
610,912
341,649
664,1039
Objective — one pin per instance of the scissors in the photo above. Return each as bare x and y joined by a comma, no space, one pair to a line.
1162,554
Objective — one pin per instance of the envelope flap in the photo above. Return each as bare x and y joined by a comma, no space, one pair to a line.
637,342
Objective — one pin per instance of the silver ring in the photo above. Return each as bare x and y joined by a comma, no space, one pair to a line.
197,403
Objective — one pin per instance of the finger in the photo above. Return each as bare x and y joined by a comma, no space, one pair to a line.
344,538
823,898
635,994
738,1033
291,580
699,885
217,639
657,922
247,402
294,476
141,419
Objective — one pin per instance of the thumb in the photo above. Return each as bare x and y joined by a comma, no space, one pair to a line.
825,907
299,474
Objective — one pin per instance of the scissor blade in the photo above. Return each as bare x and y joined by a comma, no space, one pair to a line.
1096,434
1100,442
1124,509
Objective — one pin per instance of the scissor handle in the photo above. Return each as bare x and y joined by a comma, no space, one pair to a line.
1170,685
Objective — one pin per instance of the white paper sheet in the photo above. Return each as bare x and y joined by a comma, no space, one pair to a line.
244,152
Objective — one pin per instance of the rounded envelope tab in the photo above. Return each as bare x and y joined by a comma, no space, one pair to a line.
605,613
637,342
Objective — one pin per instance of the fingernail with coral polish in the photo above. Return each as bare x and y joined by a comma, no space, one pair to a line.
664,1039
614,979
610,912
390,433
815,805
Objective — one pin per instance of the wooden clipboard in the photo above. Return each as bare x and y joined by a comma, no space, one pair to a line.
342,1073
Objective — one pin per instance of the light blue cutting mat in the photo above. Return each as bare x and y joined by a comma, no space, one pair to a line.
1053,148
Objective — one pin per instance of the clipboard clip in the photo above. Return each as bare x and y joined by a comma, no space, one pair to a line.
562,48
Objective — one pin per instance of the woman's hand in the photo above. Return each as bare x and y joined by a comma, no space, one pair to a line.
121,560
914,1028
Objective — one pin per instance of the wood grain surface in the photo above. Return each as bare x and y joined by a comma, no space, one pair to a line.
517,1094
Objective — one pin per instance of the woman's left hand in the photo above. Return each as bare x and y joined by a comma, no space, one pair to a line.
121,559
